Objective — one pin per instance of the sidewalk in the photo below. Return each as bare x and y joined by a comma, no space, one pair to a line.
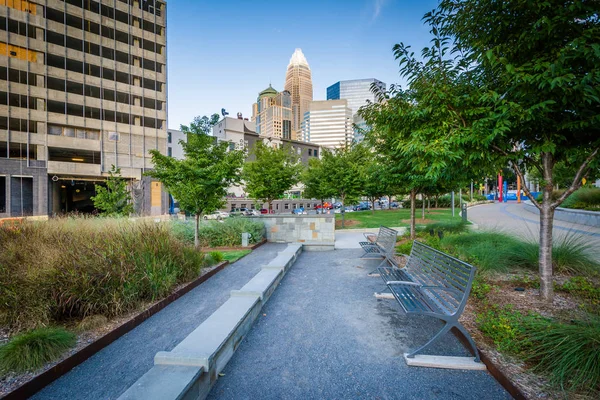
323,335
108,373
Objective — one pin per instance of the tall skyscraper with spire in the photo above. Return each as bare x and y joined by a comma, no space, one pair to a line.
298,81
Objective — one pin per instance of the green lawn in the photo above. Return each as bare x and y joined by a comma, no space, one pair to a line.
234,255
394,218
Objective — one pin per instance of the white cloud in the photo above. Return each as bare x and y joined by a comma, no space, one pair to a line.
377,7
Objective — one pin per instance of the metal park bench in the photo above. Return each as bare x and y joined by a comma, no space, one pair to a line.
383,245
432,283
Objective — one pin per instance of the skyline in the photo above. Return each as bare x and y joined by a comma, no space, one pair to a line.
242,48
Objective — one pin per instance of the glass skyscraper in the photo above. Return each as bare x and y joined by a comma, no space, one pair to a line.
356,91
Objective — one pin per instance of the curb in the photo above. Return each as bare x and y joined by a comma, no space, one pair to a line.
191,368
226,248
40,381
493,369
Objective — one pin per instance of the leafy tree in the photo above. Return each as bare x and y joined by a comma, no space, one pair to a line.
377,183
200,181
113,199
271,173
313,179
531,70
346,172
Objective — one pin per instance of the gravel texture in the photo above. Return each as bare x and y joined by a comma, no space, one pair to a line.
323,335
108,373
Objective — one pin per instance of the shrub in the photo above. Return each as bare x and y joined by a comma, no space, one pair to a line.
569,353
480,288
216,234
72,268
456,226
216,256
583,288
31,350
585,199
489,251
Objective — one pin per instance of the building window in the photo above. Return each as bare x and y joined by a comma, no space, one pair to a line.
309,152
170,151
2,194
286,206
169,137
231,146
316,153
243,205
113,136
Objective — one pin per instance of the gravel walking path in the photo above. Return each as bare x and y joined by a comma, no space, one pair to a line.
323,335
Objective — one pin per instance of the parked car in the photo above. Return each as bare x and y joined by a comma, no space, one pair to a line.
362,207
218,215
299,211
254,213
264,211
337,204
394,204
240,212
349,209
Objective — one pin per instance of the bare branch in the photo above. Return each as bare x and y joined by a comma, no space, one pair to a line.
525,188
576,184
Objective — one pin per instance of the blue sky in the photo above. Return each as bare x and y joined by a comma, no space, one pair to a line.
222,53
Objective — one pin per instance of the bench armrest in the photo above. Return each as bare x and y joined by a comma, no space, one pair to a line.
402,283
367,235
401,254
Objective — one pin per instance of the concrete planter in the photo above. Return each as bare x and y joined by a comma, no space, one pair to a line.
583,217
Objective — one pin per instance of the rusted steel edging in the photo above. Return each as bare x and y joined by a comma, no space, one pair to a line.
40,381
502,379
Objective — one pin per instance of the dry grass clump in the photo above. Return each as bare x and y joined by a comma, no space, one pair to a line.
67,269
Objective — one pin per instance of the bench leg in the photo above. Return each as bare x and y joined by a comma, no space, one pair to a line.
442,331
377,267
470,340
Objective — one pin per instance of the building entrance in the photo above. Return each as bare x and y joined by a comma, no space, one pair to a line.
73,195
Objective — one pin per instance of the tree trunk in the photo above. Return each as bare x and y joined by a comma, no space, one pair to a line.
373,202
545,261
389,202
423,211
436,201
413,196
196,231
270,206
342,211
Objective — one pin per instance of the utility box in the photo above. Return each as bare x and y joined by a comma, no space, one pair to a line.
245,239
463,211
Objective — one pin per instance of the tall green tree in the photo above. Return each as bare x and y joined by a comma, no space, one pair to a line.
313,178
346,173
200,181
377,182
531,74
271,172
113,199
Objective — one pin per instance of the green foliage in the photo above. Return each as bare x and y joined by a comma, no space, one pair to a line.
584,288
31,350
200,181
234,255
391,218
113,200
568,353
448,226
65,269
313,178
272,172
216,256
221,234
584,199
480,288
504,326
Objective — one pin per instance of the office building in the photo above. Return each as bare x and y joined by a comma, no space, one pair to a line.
272,114
174,147
82,88
357,92
241,135
328,123
298,81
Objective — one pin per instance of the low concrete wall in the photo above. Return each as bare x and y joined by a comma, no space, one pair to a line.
583,217
315,232
193,366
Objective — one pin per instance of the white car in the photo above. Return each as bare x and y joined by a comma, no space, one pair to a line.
218,215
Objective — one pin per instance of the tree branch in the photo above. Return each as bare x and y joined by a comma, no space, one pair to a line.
576,184
525,188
